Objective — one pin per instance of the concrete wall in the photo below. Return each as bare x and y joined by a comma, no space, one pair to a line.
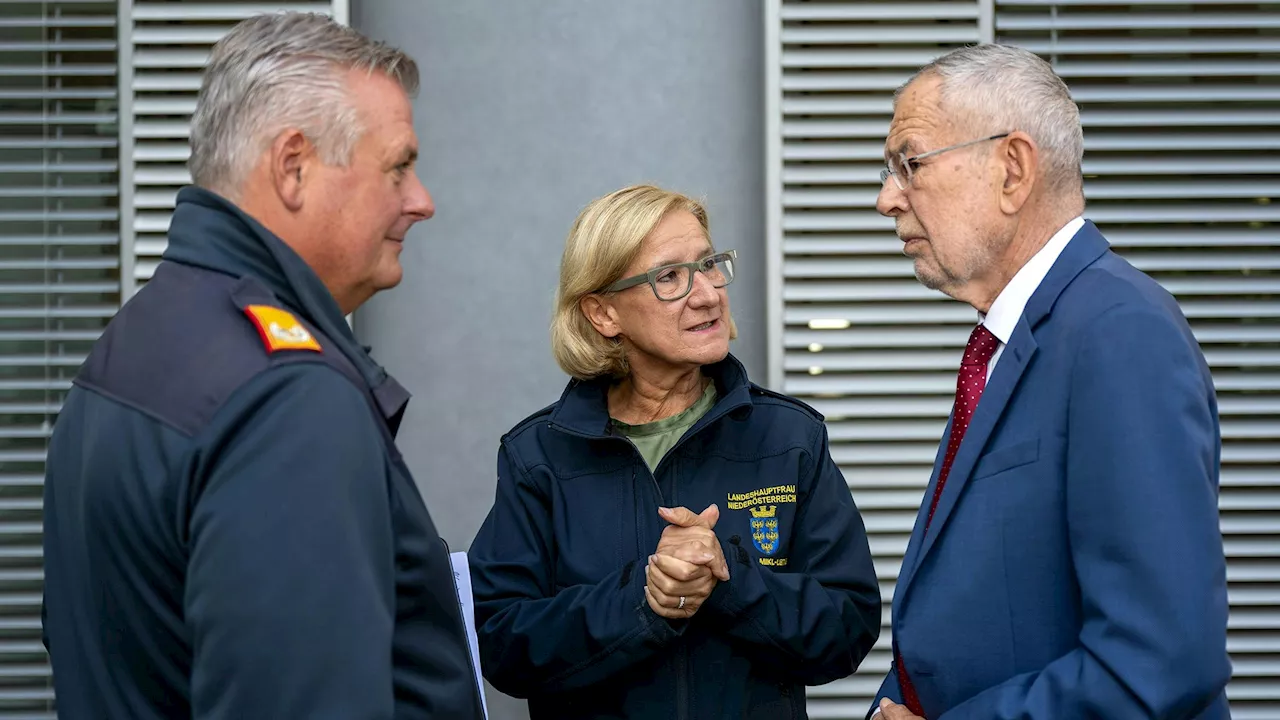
527,112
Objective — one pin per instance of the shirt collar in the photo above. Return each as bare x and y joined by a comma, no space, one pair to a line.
1003,316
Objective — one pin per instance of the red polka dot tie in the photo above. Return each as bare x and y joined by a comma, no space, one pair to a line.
969,386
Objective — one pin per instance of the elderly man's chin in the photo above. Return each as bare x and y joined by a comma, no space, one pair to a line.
928,273
928,277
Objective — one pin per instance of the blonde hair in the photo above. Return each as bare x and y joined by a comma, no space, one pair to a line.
603,241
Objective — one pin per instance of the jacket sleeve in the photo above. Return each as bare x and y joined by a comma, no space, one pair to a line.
815,622
1143,516
535,638
290,582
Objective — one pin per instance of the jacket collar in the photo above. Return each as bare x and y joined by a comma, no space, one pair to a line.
584,406
211,232
1082,251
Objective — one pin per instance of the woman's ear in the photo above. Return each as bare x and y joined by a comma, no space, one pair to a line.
601,314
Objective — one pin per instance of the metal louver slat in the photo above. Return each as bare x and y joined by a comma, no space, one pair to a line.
168,47
1044,19
1182,169
59,282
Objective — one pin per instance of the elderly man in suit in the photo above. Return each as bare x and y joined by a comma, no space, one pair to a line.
1066,561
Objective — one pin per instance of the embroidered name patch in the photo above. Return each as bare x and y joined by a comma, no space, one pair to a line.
763,505
776,495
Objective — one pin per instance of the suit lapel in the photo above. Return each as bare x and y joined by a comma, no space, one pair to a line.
917,536
1086,247
1013,361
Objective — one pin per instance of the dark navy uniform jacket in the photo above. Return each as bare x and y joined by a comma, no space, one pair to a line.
559,565
229,530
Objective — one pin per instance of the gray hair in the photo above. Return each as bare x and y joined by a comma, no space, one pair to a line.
278,71
1001,88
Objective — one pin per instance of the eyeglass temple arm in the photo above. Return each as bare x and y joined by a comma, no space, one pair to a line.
949,148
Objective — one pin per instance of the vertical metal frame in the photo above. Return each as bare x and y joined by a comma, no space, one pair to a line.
775,325
124,148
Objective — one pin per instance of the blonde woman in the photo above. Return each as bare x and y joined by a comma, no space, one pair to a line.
668,540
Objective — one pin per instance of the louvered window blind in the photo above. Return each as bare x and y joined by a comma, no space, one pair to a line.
59,281
87,181
168,47
1180,104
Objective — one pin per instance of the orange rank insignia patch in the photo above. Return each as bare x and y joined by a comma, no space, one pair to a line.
280,330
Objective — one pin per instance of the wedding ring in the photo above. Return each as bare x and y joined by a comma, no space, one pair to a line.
681,605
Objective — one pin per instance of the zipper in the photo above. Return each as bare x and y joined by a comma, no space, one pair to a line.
682,683
681,659
653,476
685,438
645,543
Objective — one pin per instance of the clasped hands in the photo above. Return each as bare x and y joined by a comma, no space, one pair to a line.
687,564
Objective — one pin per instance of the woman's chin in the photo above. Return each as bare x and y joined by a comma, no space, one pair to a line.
712,352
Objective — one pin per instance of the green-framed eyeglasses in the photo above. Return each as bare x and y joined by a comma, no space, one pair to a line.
672,282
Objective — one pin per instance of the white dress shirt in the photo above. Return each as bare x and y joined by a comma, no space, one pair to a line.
1003,316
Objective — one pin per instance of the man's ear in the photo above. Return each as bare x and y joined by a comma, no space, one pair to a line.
601,314
290,155
1020,158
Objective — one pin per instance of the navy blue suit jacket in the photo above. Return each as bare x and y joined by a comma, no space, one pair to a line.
1074,566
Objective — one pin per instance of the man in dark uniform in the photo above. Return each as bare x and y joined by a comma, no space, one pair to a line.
230,531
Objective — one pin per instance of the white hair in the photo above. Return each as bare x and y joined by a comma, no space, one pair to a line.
1001,88
278,71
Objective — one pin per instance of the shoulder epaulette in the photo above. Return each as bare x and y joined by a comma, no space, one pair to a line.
280,330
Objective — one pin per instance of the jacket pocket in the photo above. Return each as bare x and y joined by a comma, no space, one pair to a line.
1007,458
